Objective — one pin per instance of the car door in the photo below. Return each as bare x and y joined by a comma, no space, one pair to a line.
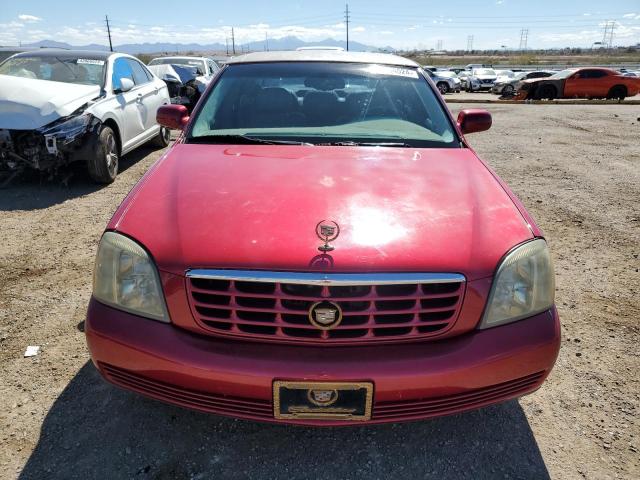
586,83
131,121
147,94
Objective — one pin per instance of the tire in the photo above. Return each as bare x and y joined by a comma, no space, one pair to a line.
618,92
443,87
508,90
163,138
547,92
103,166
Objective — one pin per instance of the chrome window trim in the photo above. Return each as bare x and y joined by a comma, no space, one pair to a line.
317,278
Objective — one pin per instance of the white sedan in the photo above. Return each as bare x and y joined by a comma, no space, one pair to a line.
62,106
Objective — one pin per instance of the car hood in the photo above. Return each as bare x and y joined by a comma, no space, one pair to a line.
27,104
485,77
257,207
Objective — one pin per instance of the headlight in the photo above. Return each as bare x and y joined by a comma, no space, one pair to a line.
68,130
126,278
524,285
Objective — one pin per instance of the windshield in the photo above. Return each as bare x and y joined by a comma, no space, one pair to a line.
564,73
484,71
85,71
189,62
323,102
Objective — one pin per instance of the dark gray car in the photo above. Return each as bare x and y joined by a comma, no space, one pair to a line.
509,87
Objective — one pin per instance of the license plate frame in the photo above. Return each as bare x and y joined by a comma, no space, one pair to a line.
353,400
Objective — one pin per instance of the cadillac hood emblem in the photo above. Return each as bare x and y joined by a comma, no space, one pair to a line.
325,315
327,231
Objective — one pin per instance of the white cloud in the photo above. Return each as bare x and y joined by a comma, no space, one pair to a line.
629,15
386,32
358,29
29,18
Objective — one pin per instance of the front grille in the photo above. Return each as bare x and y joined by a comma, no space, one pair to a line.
275,307
177,395
434,406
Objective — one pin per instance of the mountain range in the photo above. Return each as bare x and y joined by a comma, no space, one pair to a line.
284,43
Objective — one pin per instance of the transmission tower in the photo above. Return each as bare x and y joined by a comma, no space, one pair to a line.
439,46
346,21
607,38
524,36
470,43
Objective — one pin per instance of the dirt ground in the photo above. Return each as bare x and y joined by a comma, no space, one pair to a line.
576,168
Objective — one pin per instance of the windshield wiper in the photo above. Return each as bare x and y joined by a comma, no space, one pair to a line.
242,140
365,144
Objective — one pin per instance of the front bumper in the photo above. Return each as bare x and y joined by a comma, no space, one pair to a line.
411,381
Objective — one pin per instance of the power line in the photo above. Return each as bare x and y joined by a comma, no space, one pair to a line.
346,19
106,19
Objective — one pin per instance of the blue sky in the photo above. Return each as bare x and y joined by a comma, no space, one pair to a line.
398,23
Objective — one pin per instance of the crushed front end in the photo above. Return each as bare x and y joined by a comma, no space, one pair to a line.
48,148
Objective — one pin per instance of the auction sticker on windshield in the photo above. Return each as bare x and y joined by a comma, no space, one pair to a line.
394,71
90,61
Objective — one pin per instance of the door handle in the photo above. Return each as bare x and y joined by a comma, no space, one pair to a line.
139,98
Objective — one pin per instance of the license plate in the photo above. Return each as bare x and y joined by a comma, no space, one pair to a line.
322,400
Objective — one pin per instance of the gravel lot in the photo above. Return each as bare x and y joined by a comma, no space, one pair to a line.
577,169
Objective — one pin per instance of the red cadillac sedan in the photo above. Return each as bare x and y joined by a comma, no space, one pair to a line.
321,246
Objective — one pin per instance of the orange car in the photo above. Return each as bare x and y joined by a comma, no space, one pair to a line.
580,83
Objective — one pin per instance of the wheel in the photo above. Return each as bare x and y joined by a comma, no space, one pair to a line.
163,138
103,166
443,87
547,92
617,92
508,90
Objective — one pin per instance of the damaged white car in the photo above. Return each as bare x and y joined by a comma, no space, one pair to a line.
63,106
186,77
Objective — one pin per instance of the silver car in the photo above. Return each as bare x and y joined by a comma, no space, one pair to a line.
445,80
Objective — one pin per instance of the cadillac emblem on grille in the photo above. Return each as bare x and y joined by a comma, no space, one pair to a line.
325,315
322,398
327,231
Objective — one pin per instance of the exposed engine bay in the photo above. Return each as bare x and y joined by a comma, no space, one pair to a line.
52,146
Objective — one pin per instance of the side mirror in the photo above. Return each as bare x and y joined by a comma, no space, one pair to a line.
474,120
174,117
126,84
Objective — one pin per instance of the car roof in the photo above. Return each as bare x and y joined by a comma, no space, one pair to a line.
323,56
63,53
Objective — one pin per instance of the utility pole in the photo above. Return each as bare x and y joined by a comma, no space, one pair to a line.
226,42
266,41
233,41
106,19
524,36
470,43
346,19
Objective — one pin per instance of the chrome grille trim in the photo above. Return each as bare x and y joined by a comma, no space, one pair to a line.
313,278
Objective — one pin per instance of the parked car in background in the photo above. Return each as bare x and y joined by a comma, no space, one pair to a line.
446,81
580,83
481,79
503,75
463,76
186,77
509,86
63,106
321,246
